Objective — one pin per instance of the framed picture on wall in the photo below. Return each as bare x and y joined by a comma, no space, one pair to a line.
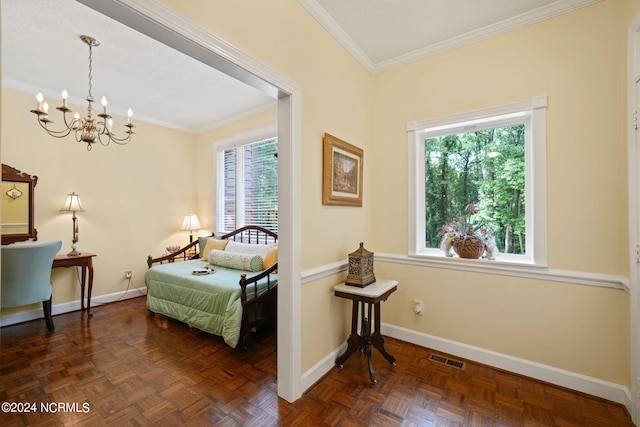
342,173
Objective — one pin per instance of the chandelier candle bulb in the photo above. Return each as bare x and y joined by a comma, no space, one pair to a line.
87,129
39,99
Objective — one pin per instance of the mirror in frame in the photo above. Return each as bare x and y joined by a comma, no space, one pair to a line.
17,206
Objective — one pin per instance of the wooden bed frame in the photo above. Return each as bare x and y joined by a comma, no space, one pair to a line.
257,310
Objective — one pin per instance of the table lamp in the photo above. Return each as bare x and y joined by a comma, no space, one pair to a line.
191,223
72,204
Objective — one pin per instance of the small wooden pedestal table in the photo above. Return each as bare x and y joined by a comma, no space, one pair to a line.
84,262
370,296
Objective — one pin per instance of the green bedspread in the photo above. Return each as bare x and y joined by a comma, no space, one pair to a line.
210,303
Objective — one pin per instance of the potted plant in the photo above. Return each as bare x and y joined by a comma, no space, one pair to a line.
467,239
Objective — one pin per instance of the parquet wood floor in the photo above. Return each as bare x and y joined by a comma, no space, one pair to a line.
131,368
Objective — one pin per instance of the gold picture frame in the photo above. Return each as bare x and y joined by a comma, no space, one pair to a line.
342,172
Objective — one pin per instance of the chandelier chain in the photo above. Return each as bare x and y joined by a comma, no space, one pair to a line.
90,98
87,129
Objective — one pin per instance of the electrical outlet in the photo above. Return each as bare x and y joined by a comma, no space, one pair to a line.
417,306
128,274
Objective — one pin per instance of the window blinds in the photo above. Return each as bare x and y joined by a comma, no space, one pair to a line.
251,186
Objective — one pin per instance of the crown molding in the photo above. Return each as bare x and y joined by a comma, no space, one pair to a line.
329,24
233,118
542,13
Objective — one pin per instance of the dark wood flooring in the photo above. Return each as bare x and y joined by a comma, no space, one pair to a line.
126,367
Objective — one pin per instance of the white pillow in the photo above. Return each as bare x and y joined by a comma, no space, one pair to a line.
248,248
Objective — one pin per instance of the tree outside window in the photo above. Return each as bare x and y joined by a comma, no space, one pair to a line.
487,166
493,159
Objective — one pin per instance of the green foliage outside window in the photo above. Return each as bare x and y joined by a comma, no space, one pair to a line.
487,166
261,184
250,185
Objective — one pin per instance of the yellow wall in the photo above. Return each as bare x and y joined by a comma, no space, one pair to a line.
336,98
134,196
632,8
578,61
134,199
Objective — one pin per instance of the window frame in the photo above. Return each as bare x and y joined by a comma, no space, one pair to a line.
533,114
259,135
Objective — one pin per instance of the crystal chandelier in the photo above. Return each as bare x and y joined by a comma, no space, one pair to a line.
87,129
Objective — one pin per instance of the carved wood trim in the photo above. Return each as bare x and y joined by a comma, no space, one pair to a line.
12,174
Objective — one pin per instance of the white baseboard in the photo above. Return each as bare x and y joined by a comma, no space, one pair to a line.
67,307
571,380
321,368
582,383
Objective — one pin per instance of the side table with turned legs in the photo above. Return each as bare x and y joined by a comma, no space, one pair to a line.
364,300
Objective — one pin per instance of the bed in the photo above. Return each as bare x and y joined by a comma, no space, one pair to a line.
227,287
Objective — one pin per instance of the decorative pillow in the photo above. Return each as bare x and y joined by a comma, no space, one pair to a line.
236,261
270,258
211,243
202,242
248,248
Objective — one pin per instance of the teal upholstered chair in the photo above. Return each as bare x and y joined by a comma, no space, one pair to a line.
26,276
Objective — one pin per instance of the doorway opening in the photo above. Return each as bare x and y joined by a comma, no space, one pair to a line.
162,24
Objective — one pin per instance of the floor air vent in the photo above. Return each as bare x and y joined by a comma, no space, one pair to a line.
446,361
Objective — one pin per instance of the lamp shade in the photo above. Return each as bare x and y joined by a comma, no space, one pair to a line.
72,204
191,222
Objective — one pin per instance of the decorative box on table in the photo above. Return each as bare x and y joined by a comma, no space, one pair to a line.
360,268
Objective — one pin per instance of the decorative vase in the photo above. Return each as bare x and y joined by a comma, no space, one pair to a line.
468,247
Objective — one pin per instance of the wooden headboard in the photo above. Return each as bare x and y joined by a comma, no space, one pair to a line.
252,234
248,234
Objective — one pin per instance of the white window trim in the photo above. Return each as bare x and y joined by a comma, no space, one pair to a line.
535,185
269,132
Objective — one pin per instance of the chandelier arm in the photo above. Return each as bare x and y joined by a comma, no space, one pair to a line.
86,129
120,141
101,126
74,122
54,133
77,136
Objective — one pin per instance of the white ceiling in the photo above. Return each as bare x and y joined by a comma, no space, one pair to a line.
42,52
384,34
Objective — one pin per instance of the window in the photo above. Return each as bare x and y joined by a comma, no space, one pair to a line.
495,157
247,184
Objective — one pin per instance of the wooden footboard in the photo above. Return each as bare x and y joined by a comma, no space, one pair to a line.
257,309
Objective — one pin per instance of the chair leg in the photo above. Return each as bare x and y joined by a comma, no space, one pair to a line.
46,307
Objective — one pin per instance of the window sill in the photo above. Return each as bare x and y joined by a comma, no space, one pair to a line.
506,266
503,261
